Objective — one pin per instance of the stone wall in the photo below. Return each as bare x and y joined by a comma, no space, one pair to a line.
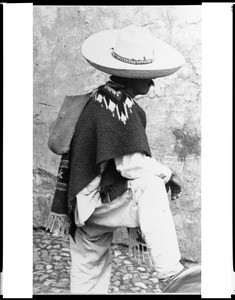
172,107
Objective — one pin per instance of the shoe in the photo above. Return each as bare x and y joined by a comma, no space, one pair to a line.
188,282
164,282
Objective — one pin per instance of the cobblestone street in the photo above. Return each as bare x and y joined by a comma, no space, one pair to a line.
52,268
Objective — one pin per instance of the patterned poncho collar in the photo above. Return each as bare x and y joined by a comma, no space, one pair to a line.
111,124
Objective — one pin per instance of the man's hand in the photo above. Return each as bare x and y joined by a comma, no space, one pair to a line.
176,187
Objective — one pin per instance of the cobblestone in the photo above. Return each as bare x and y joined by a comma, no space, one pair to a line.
51,268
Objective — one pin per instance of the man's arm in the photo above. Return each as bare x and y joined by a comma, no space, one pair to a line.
136,165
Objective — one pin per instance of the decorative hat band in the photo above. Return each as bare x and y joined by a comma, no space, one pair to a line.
132,60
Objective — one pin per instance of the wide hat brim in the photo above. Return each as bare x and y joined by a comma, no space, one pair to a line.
97,50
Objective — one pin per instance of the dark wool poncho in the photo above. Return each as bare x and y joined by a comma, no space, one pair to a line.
109,127
112,124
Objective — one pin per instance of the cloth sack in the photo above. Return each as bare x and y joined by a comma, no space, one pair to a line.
62,129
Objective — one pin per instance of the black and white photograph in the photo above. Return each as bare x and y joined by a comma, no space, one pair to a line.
117,148
117,93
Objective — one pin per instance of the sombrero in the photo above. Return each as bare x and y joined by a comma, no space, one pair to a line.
131,52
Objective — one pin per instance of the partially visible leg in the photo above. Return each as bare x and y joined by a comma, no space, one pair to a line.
90,261
90,252
157,225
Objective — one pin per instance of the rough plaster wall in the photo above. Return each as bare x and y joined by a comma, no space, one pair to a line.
172,107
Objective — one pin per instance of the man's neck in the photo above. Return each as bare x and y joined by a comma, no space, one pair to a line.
130,91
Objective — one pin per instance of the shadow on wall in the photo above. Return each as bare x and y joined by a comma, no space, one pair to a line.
186,144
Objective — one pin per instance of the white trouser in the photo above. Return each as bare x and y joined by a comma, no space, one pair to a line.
146,205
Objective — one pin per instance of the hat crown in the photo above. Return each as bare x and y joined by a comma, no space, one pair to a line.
134,42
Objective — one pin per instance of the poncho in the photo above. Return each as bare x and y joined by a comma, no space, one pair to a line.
112,124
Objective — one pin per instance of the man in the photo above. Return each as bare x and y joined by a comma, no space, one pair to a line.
113,179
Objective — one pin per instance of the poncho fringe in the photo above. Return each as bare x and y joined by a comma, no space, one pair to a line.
58,224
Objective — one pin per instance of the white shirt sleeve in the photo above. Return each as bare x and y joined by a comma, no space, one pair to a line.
136,165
